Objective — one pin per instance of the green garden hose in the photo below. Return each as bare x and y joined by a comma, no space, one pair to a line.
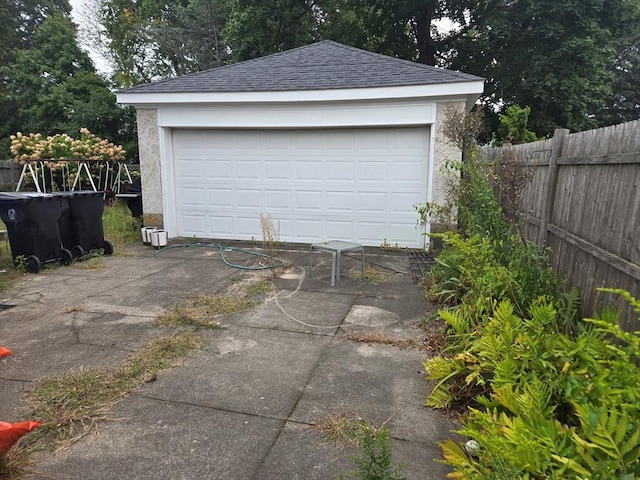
275,263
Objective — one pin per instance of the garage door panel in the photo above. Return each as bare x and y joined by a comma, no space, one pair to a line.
308,170
193,197
398,201
374,140
217,226
194,224
339,202
308,201
220,198
351,184
339,229
248,170
308,229
372,202
373,171
278,200
403,232
277,170
307,142
339,171
370,232
339,140
218,170
249,199
247,227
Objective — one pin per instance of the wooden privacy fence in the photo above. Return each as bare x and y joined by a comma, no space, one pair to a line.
9,173
582,201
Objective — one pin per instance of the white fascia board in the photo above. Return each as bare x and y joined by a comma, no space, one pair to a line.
141,99
299,115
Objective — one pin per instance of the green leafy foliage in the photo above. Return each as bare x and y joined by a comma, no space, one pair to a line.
553,406
536,52
546,397
51,87
513,126
375,462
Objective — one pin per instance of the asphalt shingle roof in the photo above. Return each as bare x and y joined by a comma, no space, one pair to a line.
320,66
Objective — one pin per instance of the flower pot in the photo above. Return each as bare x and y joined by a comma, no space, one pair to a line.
146,234
159,238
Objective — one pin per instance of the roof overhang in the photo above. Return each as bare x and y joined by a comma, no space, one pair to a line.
471,90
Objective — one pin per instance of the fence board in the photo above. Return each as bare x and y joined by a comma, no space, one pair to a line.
593,229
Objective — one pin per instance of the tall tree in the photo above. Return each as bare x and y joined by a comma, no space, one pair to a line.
623,104
256,29
556,57
145,40
190,38
54,87
404,28
19,20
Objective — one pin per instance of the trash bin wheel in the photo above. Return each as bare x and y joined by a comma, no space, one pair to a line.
32,264
66,257
77,251
107,247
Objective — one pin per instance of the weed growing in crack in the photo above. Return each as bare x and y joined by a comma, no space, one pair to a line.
201,311
72,405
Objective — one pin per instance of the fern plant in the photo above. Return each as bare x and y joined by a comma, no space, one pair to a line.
375,462
554,406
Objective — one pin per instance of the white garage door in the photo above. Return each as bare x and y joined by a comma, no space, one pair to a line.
348,184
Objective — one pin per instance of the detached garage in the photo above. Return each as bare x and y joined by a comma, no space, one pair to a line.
330,141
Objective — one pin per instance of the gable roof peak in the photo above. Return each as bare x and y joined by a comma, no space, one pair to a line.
323,65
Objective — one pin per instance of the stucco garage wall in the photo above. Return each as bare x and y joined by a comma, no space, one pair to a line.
444,152
149,142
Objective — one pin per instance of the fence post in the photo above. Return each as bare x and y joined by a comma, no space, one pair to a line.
552,181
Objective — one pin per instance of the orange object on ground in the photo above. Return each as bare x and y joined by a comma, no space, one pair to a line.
4,352
10,433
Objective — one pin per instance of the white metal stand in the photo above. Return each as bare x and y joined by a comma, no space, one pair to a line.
34,176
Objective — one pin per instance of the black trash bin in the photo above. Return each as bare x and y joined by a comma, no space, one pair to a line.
32,225
132,193
80,222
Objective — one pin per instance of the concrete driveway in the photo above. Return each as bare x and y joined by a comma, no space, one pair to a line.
244,406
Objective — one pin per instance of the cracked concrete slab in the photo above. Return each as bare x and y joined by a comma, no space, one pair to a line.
153,439
248,370
381,383
296,311
243,407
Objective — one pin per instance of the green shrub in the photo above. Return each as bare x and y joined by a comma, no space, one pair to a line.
481,270
375,462
547,397
550,406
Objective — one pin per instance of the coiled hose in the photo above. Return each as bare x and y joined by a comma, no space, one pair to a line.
274,262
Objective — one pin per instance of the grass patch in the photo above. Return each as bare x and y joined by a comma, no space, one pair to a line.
342,429
13,463
72,405
94,263
8,272
262,286
373,275
202,310
120,228
381,339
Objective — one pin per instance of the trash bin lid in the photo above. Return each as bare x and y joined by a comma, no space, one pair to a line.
78,193
12,197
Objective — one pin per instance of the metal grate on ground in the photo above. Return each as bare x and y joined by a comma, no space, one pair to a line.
420,264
